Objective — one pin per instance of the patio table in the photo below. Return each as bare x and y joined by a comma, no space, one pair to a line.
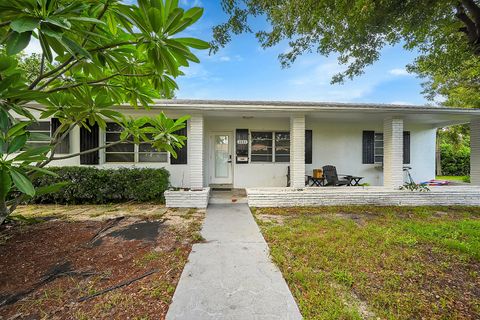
354,180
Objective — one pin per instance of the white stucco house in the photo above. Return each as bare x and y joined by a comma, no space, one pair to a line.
251,144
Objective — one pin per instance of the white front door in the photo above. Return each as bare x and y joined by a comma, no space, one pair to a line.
221,158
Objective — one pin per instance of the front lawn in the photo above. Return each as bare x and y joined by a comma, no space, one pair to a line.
454,178
378,262
119,261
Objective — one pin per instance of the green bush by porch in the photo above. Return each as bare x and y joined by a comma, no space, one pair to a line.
89,185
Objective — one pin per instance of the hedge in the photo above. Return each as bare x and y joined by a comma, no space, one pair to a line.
87,185
455,161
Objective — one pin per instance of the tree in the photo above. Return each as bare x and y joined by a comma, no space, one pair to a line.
446,33
95,56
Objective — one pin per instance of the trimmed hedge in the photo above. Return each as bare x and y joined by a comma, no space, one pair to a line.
97,186
455,161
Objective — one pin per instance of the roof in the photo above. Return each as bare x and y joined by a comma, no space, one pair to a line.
244,105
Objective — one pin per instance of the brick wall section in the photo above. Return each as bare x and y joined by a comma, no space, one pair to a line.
297,151
377,196
393,152
195,152
475,152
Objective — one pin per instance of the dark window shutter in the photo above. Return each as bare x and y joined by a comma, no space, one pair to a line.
182,152
64,146
368,147
241,145
406,147
89,139
308,146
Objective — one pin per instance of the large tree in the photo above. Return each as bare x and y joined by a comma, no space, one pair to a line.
446,34
96,55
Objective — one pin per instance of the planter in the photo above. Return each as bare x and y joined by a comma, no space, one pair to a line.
183,198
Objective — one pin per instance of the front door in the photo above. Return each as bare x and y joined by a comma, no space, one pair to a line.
221,158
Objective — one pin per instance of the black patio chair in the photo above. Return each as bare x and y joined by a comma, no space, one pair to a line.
330,174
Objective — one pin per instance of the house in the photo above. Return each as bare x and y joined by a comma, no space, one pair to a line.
250,144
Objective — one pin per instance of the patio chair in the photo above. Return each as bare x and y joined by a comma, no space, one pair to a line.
330,173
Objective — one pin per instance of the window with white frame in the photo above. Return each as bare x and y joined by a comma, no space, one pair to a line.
39,134
128,151
378,151
270,146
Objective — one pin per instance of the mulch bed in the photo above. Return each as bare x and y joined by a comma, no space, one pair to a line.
46,268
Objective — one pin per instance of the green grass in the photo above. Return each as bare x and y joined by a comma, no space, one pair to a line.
453,178
396,262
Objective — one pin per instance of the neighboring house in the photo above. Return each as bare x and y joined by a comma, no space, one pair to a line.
252,143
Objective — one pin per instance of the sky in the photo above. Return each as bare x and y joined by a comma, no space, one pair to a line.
244,71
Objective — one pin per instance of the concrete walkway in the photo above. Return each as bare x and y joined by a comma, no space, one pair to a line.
230,276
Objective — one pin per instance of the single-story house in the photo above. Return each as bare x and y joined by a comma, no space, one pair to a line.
251,144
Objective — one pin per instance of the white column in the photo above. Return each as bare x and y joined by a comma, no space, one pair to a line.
297,151
195,152
475,152
393,152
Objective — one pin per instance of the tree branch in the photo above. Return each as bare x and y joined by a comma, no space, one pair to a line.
91,150
474,11
92,82
471,29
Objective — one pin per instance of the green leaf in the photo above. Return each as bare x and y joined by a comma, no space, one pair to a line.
154,16
22,183
17,143
7,63
194,43
87,19
194,14
16,42
74,48
4,121
5,183
45,47
62,23
17,128
34,153
24,24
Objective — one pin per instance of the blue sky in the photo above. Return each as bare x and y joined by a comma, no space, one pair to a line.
243,70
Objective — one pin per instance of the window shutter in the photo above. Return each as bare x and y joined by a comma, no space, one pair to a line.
241,145
308,146
64,146
182,152
368,147
406,147
89,140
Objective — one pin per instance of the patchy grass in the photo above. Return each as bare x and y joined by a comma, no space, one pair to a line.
378,262
97,253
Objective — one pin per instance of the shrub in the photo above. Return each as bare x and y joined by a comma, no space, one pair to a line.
455,161
89,185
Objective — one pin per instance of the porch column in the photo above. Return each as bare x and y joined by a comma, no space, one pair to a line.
393,152
195,152
475,152
297,151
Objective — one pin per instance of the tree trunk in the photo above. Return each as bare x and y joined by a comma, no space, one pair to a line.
438,157
4,212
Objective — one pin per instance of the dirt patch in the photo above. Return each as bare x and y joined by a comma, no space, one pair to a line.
46,268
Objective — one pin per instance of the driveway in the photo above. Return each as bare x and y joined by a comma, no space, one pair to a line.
230,275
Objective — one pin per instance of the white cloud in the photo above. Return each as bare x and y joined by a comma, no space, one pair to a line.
191,3
225,58
399,72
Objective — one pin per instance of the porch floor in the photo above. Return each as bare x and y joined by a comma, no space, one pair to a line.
467,195
228,196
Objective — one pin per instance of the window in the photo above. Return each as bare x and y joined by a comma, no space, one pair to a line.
270,146
39,134
378,143
128,151
282,146
262,144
